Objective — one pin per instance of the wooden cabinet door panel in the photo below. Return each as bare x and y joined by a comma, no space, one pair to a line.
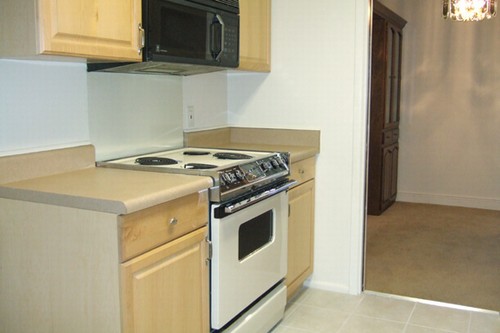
101,29
166,289
255,35
394,50
394,175
300,235
389,174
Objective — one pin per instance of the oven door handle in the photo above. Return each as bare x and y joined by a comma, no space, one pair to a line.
233,208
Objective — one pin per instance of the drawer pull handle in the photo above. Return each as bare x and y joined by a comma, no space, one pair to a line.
301,171
173,221
141,39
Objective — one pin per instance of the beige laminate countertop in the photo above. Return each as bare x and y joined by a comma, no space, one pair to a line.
75,182
301,144
297,153
106,190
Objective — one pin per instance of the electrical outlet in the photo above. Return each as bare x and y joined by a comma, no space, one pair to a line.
190,116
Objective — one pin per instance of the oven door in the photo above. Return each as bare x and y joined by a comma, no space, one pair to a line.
249,255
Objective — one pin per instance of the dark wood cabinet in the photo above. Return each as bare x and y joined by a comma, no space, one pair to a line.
387,39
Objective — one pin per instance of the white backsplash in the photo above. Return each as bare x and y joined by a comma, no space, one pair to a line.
205,101
43,105
133,114
49,104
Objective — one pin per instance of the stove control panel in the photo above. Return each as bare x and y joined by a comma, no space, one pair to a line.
263,169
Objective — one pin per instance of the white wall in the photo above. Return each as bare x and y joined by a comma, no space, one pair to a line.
134,114
43,105
47,104
206,96
450,108
319,57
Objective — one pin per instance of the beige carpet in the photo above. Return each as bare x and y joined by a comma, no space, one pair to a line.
440,253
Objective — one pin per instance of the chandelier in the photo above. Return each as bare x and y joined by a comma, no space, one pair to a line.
469,10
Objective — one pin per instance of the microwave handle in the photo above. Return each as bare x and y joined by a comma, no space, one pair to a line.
217,52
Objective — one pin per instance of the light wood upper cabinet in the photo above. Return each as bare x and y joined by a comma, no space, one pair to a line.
94,29
255,35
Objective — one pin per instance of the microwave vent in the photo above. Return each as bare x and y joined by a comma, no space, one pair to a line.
232,3
228,5
152,67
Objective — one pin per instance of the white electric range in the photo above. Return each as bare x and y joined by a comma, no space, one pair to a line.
248,229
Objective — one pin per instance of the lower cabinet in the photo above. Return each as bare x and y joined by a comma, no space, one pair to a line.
300,226
166,289
164,270
79,271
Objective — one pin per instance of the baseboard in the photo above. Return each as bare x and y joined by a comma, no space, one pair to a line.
450,200
311,283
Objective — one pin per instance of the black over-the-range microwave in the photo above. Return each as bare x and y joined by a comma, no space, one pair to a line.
185,37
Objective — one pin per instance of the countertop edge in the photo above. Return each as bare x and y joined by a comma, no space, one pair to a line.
94,204
118,205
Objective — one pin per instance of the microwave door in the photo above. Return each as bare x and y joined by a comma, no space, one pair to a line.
181,32
217,37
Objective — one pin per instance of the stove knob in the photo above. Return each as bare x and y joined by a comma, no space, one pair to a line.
239,174
226,177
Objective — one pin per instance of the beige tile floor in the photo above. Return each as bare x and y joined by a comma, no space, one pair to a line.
320,311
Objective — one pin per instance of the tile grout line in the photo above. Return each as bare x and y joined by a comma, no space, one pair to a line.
415,304
351,313
470,322
409,317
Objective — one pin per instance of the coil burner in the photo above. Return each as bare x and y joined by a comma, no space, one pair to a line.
232,156
153,160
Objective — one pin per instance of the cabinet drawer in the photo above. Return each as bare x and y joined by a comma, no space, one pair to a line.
304,170
146,229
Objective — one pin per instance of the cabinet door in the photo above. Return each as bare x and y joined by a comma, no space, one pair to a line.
389,174
255,35
300,235
101,29
393,80
166,289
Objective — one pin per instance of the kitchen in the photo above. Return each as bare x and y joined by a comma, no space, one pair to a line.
52,104
74,90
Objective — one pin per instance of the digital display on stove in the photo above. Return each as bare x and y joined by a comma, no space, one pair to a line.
252,171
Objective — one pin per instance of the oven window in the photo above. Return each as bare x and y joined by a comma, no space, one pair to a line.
254,234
